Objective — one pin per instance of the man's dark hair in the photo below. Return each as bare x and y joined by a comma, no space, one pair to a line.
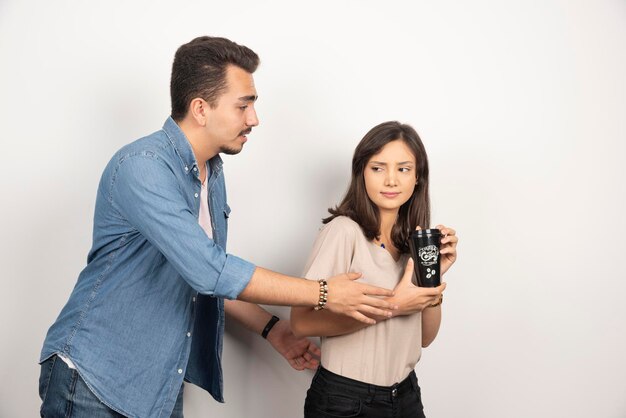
199,70
357,204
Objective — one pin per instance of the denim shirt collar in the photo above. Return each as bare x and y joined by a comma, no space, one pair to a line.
183,149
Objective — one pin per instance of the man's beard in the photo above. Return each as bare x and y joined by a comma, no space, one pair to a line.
230,150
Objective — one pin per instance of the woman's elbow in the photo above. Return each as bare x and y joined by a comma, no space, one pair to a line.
297,327
427,341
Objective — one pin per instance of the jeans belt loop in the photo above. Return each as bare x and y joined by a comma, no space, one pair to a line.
413,379
371,392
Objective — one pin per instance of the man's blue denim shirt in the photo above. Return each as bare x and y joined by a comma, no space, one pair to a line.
146,311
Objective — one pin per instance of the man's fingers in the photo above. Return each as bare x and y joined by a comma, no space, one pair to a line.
371,311
362,318
376,291
315,350
312,365
377,303
295,364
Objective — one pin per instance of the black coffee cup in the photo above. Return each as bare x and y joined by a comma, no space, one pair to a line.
425,245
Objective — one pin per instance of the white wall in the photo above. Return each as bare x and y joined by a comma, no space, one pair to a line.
521,106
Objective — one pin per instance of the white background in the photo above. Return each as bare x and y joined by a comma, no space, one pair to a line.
521,106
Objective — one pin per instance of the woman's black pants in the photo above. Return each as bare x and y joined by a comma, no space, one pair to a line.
331,395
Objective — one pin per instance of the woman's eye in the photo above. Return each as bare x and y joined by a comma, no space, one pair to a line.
404,170
377,169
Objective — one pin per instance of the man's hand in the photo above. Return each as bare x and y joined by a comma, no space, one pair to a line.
357,300
300,353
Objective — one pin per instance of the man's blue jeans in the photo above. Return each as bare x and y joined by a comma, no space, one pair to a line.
64,394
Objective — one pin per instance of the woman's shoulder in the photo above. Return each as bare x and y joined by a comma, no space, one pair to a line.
342,223
342,226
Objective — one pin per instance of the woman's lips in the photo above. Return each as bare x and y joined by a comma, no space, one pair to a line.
390,195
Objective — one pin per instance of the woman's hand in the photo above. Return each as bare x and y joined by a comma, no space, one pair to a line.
448,247
410,298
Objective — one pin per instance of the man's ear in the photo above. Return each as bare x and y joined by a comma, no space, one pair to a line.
199,109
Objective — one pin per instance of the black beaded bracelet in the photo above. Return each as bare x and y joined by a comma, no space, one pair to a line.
269,326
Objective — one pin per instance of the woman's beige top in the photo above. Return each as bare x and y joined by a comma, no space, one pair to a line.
381,354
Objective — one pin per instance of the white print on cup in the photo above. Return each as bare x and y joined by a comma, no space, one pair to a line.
428,255
430,273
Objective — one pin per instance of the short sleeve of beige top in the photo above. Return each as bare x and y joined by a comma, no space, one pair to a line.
381,354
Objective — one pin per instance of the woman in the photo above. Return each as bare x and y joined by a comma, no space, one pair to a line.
368,370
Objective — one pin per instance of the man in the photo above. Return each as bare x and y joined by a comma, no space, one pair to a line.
147,312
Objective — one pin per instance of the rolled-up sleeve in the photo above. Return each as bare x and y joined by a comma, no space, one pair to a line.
145,192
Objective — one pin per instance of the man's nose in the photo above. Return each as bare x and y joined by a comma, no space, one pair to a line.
252,118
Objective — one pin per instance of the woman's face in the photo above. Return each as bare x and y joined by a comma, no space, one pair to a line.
390,176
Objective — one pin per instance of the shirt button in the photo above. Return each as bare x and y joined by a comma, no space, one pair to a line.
189,334
195,195
180,371
193,299
186,168
195,169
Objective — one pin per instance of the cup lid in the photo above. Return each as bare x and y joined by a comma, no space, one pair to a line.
425,232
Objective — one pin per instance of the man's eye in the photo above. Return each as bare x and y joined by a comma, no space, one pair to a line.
243,107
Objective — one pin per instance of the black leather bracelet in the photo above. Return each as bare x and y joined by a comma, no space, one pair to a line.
269,326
